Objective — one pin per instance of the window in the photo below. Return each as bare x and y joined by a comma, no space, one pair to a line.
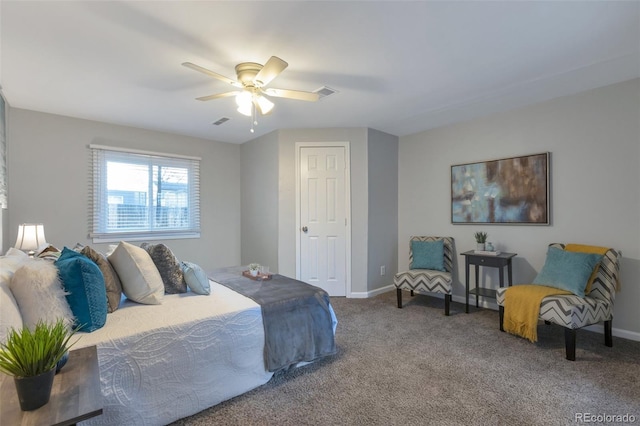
137,195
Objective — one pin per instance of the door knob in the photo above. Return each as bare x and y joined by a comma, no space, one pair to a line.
305,229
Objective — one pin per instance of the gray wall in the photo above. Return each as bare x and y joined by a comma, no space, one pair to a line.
374,221
259,194
49,175
594,140
357,139
383,208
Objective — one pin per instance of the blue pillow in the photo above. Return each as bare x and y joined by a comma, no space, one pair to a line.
428,255
196,278
84,283
567,270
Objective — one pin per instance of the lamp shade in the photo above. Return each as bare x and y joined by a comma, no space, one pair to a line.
30,236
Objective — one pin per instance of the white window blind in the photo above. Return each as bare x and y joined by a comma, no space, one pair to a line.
137,195
3,155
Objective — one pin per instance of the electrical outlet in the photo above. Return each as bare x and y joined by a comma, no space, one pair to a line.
383,270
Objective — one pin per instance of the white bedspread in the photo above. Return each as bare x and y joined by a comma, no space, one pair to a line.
160,363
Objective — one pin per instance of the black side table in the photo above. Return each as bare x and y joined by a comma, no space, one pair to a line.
493,261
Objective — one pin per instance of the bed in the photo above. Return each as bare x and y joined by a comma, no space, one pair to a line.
160,363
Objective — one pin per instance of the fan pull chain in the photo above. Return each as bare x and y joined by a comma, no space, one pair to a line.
254,121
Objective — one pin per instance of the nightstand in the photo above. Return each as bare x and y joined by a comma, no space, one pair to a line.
492,261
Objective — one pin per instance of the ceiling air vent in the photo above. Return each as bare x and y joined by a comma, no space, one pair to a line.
325,91
221,121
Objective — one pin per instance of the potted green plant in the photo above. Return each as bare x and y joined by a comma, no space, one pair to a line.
481,238
31,357
254,268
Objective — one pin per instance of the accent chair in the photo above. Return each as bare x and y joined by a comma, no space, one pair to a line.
572,311
430,268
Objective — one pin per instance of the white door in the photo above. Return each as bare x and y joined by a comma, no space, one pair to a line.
323,217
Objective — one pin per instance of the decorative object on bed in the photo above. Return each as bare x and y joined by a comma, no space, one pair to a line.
254,268
297,317
196,278
48,252
10,316
430,267
141,281
85,289
562,303
168,266
39,293
259,276
31,357
506,191
111,280
30,237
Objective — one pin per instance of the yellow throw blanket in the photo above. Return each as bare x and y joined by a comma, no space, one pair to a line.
522,308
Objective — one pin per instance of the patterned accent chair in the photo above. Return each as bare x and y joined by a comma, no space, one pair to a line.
428,280
573,312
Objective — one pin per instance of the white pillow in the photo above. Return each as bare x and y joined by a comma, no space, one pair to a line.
141,281
14,252
10,316
39,293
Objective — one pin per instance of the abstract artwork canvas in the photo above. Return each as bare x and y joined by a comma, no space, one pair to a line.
507,191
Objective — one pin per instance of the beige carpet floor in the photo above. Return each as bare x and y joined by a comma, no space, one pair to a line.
414,366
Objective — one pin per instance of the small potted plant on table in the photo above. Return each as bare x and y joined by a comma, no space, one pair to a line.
481,238
31,358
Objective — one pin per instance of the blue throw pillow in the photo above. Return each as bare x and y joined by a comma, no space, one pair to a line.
567,270
196,278
428,255
84,283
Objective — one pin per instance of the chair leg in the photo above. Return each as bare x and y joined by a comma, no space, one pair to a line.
570,343
501,311
547,322
608,339
399,295
412,293
447,302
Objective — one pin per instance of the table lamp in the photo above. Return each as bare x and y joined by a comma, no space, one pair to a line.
30,237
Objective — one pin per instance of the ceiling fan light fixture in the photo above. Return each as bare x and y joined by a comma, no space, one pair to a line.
244,98
246,110
264,105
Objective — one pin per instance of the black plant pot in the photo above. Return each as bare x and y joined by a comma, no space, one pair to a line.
62,362
34,392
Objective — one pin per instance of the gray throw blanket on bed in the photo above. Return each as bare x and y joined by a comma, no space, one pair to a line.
296,317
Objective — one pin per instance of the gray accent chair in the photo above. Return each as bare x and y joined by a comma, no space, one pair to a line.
574,312
426,281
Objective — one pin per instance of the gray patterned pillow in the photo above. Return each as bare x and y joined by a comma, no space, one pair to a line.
111,279
168,266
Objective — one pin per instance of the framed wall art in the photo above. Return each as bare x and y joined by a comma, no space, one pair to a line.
511,191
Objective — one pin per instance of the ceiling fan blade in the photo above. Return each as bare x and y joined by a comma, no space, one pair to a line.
270,70
217,96
211,73
292,94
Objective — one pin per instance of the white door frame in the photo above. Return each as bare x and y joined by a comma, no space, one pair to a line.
347,195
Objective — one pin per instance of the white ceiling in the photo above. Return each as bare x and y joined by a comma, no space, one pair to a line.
400,67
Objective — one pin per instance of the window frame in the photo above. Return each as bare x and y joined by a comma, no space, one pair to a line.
100,155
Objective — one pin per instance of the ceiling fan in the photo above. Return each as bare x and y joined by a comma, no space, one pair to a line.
252,79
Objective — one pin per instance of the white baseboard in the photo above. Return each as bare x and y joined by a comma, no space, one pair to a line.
371,293
483,303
